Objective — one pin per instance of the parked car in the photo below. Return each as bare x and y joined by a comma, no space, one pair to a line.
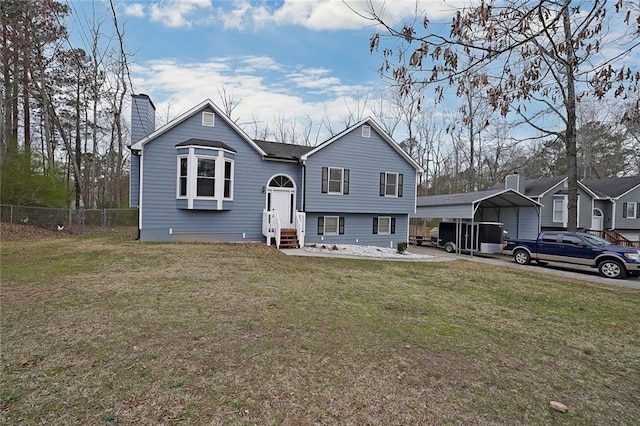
577,248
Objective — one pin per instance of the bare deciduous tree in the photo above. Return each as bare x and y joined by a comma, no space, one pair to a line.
534,59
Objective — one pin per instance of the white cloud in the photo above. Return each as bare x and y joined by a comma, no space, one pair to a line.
314,78
332,14
317,15
135,10
178,13
258,63
175,87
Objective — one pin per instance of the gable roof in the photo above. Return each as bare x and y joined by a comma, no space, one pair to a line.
283,151
613,187
202,105
369,121
536,188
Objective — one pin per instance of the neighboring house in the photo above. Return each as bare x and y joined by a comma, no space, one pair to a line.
618,204
603,204
201,177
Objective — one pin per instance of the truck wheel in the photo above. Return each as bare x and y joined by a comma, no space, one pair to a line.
449,247
612,269
522,257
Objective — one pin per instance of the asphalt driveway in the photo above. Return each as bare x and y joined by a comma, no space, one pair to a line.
561,269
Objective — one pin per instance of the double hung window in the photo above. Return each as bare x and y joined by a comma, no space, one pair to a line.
391,184
630,210
330,225
206,181
335,181
384,225
182,176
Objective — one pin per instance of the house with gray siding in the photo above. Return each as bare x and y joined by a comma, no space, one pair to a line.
610,204
552,193
201,177
618,203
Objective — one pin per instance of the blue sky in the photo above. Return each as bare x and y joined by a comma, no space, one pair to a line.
299,60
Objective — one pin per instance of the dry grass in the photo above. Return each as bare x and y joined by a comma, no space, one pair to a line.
100,330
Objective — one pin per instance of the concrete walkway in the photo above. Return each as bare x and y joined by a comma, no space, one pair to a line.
438,255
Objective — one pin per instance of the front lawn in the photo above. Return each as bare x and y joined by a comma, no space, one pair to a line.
99,330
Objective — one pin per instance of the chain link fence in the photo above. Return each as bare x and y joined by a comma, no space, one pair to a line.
76,221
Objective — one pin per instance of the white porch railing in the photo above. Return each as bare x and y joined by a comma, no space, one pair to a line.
271,226
301,224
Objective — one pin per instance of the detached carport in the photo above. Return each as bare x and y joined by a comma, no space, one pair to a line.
519,213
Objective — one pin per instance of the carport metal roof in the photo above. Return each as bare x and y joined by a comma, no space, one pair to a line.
466,204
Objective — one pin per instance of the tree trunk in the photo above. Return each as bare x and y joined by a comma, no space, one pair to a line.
570,133
26,111
78,149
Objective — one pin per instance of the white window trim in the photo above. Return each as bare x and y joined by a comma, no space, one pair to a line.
208,119
366,131
215,177
388,230
178,196
224,178
386,174
337,232
192,178
635,210
562,211
329,181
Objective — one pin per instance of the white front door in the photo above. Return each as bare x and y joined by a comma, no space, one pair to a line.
281,200
596,220
281,197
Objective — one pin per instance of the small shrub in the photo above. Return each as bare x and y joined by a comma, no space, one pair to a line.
402,247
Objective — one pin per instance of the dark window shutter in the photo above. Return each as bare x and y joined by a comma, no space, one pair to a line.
325,179
375,225
393,225
400,179
345,181
624,210
321,225
341,225
637,210
382,182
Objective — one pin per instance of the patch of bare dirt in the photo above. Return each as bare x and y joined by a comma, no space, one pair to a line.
17,231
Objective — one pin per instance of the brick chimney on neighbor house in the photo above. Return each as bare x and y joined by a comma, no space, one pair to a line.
515,182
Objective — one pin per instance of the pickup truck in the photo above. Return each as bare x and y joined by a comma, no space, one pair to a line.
577,248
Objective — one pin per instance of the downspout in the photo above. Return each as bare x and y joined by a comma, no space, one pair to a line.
304,182
140,182
613,214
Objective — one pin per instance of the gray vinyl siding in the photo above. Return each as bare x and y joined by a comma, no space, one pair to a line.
358,229
584,213
627,223
606,206
134,180
521,223
365,158
162,220
142,118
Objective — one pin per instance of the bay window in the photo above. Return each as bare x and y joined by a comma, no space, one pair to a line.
204,179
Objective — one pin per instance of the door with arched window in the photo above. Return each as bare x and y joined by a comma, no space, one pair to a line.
596,220
281,197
